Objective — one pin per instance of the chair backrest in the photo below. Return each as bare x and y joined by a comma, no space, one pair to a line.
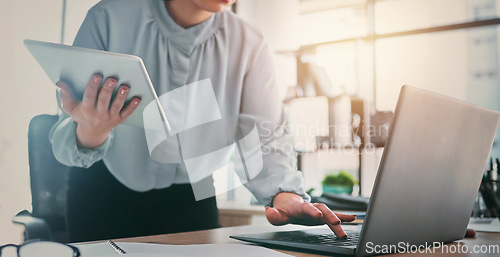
48,176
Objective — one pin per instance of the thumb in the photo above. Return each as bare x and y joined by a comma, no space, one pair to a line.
68,102
275,217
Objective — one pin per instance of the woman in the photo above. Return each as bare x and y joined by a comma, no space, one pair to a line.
180,41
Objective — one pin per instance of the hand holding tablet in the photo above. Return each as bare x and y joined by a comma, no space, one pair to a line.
97,114
125,78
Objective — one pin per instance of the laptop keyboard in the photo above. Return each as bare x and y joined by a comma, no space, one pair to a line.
324,239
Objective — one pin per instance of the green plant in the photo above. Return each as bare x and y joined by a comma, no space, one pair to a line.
309,192
342,178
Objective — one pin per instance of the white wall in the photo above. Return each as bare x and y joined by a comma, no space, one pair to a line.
277,20
26,91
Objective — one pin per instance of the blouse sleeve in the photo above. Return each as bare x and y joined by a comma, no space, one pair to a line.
261,102
92,34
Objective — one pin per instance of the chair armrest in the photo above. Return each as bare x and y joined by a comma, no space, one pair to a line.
34,228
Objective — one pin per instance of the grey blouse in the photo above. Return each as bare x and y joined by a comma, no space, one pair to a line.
222,48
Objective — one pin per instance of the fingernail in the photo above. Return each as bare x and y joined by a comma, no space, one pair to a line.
136,102
122,91
97,79
112,83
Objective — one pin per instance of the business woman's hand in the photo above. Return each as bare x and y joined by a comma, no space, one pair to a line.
95,117
291,208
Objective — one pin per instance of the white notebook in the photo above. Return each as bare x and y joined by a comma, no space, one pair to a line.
158,250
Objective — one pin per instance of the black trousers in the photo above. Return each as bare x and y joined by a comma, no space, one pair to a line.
99,207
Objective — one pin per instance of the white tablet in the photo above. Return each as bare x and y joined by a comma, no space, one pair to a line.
76,65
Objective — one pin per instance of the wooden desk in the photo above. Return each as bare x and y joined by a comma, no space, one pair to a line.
232,213
221,235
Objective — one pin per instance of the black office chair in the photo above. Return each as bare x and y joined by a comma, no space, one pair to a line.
48,186
48,181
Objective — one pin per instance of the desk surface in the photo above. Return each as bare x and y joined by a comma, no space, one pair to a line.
221,235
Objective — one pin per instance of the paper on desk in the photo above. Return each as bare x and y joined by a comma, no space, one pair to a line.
158,250
485,225
134,255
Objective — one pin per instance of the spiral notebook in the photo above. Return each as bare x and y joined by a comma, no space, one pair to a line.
158,250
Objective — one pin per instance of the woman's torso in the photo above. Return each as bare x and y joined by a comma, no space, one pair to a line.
219,49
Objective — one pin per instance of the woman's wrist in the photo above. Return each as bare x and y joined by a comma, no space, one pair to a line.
286,197
89,139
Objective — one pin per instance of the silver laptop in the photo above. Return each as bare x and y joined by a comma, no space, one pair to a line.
427,181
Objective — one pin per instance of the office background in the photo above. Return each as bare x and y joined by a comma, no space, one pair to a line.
357,42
